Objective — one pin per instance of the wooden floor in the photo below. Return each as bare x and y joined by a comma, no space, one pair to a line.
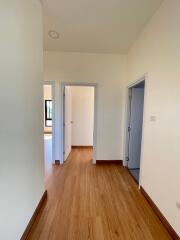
94,202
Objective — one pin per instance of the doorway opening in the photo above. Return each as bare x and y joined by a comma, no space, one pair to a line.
78,118
48,107
134,128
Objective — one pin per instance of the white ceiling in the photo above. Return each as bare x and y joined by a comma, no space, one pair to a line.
102,26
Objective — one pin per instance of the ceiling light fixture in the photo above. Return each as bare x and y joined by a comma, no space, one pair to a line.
53,34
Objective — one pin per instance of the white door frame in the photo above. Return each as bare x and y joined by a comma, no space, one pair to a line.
52,84
64,121
144,78
95,85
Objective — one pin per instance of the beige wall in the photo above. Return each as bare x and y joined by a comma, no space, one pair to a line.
157,53
47,96
21,128
82,115
108,71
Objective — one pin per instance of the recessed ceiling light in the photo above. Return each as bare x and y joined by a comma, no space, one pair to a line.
53,34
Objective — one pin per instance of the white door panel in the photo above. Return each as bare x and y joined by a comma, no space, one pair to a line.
67,122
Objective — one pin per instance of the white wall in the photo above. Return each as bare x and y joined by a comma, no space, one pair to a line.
21,121
108,71
157,53
82,116
47,96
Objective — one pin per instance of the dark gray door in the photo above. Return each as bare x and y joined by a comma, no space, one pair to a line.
135,127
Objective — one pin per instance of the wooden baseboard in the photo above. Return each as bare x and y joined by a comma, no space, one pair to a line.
164,221
33,218
81,146
120,162
57,162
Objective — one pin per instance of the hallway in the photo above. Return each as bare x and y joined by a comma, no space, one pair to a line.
94,202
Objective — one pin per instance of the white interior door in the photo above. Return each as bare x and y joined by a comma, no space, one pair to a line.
136,121
67,122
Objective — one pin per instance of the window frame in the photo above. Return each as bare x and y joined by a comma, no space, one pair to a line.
46,111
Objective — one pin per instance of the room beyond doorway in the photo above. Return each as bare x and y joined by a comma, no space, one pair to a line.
134,128
49,119
78,118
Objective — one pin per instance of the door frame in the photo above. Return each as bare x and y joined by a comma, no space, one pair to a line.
52,84
144,78
64,104
80,84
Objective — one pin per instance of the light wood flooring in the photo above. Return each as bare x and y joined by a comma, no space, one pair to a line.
94,202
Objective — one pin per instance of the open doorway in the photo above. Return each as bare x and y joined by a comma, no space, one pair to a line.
78,119
48,106
134,128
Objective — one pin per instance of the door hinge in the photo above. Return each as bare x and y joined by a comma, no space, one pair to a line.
127,159
129,129
63,152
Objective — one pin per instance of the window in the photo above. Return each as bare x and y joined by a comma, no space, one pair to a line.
48,113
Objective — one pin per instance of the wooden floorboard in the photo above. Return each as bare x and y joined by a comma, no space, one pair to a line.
94,202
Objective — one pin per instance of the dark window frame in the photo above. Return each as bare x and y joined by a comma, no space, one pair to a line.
47,118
